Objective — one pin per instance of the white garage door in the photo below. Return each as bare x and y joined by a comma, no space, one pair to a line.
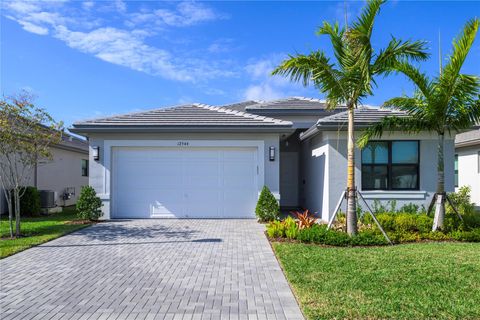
164,182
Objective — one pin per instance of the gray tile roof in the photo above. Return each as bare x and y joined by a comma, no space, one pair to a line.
73,143
468,138
291,103
364,117
240,106
184,116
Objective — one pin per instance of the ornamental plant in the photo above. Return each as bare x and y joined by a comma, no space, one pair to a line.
88,204
267,208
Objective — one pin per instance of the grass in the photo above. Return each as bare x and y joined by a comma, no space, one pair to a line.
414,281
37,230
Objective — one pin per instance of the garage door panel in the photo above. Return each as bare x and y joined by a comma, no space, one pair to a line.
177,182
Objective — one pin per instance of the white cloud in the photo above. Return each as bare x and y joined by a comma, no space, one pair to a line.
265,86
120,6
80,30
263,91
187,14
88,5
33,28
123,48
221,46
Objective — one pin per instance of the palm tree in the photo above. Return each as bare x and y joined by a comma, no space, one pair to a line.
350,78
448,102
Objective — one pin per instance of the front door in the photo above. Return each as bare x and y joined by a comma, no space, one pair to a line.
289,179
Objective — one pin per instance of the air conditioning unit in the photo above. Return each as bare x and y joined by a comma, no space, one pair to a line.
47,199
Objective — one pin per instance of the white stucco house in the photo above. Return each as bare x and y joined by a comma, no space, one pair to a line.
467,163
67,171
201,161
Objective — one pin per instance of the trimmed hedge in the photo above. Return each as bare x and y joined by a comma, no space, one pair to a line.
401,228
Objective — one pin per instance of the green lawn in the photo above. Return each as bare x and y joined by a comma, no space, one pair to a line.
37,230
414,281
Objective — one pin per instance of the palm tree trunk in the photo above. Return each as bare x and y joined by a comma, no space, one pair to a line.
351,191
440,205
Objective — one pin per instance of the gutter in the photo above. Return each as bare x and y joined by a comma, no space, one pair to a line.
153,129
468,143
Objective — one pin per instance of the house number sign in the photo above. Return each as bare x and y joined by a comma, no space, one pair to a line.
182,143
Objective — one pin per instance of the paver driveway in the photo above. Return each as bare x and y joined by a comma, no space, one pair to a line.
149,269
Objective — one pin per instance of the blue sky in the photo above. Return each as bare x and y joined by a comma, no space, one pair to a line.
89,59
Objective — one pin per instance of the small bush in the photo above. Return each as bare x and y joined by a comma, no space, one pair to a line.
29,202
276,229
88,204
368,238
409,208
467,236
462,201
291,228
267,208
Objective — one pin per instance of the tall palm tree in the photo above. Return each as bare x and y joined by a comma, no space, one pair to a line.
350,78
442,104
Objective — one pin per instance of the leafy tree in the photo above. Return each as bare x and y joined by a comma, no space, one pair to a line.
351,77
88,204
26,134
442,104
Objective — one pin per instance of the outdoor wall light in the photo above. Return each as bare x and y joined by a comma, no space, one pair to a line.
96,153
272,153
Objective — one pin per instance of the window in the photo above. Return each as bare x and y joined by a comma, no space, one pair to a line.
390,165
456,170
84,168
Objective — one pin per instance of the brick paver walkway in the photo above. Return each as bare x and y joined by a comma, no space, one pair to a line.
149,269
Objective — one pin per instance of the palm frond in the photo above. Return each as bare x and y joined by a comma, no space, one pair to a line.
411,105
390,124
398,52
461,48
363,26
336,37
313,68
419,79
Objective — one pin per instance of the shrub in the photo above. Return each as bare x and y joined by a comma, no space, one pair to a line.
387,221
406,222
276,229
306,219
368,238
316,233
468,236
291,228
409,208
462,201
29,201
88,204
267,208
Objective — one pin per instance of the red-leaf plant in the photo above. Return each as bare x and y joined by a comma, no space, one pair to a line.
306,219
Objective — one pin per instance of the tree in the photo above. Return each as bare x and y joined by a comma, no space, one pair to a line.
442,104
350,78
26,134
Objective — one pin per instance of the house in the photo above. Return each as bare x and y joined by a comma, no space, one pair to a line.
467,163
66,172
201,161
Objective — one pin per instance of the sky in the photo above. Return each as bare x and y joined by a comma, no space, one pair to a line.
87,59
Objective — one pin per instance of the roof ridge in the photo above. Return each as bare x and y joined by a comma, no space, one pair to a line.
243,114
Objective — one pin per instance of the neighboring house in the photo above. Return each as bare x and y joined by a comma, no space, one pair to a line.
467,162
66,172
201,161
